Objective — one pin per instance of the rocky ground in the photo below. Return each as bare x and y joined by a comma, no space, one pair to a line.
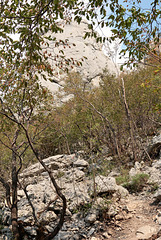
137,219
113,213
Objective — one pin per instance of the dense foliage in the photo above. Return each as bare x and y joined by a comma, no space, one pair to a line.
136,27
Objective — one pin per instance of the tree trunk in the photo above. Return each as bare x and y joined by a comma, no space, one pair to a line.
129,118
14,211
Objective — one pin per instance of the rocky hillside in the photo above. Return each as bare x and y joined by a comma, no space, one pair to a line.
86,50
97,207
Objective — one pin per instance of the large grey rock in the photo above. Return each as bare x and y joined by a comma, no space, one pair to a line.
77,188
76,194
154,172
135,170
55,163
105,184
121,191
154,149
73,174
81,163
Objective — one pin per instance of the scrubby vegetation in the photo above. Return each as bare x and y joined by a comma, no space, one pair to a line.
120,114
137,183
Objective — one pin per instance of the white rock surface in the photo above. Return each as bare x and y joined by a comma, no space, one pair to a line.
77,187
94,60
105,184
81,163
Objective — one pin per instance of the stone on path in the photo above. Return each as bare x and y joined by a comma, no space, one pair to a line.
146,232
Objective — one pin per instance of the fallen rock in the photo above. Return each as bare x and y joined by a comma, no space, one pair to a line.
146,232
121,191
107,185
54,163
81,163
92,216
157,195
154,149
135,170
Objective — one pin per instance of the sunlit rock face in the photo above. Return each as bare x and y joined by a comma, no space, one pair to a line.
93,60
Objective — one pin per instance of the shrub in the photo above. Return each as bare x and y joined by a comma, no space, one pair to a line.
123,178
137,183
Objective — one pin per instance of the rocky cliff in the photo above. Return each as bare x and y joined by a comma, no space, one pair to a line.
93,60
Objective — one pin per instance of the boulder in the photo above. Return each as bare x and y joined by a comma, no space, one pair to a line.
121,191
157,195
107,185
154,149
76,194
135,170
81,163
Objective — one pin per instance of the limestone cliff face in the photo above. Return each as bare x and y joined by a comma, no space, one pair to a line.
94,60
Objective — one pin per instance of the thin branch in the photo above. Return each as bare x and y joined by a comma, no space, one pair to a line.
5,134
30,202
10,118
41,13
129,118
154,121
10,148
106,119
15,137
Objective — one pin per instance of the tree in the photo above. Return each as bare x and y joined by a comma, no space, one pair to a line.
21,61
23,117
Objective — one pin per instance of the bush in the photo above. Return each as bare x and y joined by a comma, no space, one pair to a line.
123,178
137,183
